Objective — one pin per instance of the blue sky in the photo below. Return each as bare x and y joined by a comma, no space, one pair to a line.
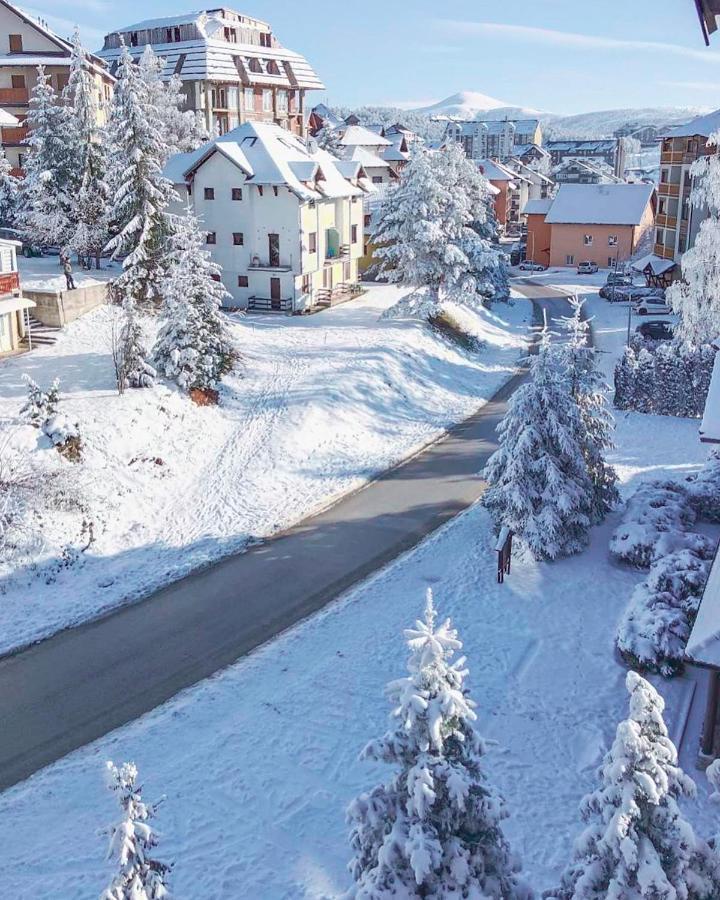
562,56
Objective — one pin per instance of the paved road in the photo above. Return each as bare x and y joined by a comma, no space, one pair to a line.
84,682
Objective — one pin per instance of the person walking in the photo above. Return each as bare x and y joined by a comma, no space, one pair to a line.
67,269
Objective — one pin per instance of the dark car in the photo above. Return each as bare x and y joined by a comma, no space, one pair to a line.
630,293
656,330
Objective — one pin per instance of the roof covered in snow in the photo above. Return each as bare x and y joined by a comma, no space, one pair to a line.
495,171
368,159
270,155
600,204
522,149
704,125
357,136
538,207
657,264
589,146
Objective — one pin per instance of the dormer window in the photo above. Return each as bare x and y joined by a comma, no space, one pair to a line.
254,65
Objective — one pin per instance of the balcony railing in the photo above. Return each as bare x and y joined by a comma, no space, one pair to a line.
14,135
11,96
269,304
9,283
665,221
337,254
664,252
665,189
259,265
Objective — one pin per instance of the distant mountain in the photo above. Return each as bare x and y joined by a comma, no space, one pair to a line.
472,105
604,122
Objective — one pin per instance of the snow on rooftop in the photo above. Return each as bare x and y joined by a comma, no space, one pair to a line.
600,204
539,206
494,171
704,125
357,136
656,263
369,160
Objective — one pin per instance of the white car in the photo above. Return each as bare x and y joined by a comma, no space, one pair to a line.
587,268
652,305
528,265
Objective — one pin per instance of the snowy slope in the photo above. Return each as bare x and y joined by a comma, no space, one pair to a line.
604,122
259,762
319,406
472,105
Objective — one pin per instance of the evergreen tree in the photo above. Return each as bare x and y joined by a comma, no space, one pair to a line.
193,345
132,842
696,297
131,366
637,845
328,138
588,387
139,211
9,193
539,485
50,169
433,830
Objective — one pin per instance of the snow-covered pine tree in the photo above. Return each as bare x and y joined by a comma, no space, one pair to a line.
433,830
132,843
328,138
139,211
638,845
9,193
588,387
539,485
193,345
130,355
50,169
40,405
696,297
90,209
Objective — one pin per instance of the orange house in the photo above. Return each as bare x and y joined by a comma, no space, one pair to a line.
539,233
595,222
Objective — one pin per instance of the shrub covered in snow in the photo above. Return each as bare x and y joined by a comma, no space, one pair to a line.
637,843
664,378
40,405
65,435
656,625
132,841
433,830
704,489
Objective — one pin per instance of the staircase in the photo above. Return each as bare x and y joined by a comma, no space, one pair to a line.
39,333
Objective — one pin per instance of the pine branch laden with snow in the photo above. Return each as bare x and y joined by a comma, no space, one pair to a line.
129,352
428,231
539,485
140,205
328,138
9,193
40,405
696,297
433,830
637,844
589,390
51,169
193,345
132,842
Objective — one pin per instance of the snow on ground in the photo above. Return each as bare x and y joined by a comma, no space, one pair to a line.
259,763
44,273
320,405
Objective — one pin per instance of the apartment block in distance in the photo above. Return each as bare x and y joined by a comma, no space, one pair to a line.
677,221
25,44
493,139
232,66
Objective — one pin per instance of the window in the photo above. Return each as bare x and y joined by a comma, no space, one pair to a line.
282,100
377,179
231,35
368,220
569,259
176,33
611,262
274,250
168,35
238,239
587,240
255,66
243,281
237,193
267,101
312,242
215,276
354,234
249,95
209,193
271,67
612,240
16,43
18,81
306,284
211,238
133,39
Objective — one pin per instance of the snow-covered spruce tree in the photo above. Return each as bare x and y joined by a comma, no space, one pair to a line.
90,207
539,485
425,236
132,842
40,405
638,845
130,353
193,344
328,138
588,387
433,830
50,169
696,297
9,193
140,206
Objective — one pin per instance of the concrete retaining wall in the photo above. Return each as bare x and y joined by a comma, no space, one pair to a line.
57,308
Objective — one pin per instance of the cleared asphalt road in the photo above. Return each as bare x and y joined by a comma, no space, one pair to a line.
82,683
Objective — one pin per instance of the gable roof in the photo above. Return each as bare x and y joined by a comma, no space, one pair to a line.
537,207
494,171
368,159
358,136
600,204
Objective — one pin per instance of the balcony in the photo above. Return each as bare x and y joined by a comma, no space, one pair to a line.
666,189
259,265
663,220
13,96
14,136
9,283
664,252
337,254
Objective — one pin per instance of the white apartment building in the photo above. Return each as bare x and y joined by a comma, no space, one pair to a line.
232,66
284,221
493,139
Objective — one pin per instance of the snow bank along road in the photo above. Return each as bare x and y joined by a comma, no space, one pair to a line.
76,686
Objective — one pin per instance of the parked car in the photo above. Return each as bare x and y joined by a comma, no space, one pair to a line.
618,278
529,266
651,304
656,330
631,293
587,268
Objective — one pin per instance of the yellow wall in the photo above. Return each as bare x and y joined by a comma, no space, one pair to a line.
9,337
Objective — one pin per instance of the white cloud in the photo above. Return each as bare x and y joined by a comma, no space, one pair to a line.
571,39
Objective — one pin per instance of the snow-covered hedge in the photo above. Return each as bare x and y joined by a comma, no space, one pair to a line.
663,378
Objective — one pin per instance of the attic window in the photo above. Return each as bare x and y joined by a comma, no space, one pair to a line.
248,140
254,65
272,67
176,33
133,39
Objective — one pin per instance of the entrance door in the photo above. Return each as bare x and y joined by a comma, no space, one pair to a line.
275,289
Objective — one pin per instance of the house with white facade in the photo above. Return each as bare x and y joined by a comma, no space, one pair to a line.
283,219
14,308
